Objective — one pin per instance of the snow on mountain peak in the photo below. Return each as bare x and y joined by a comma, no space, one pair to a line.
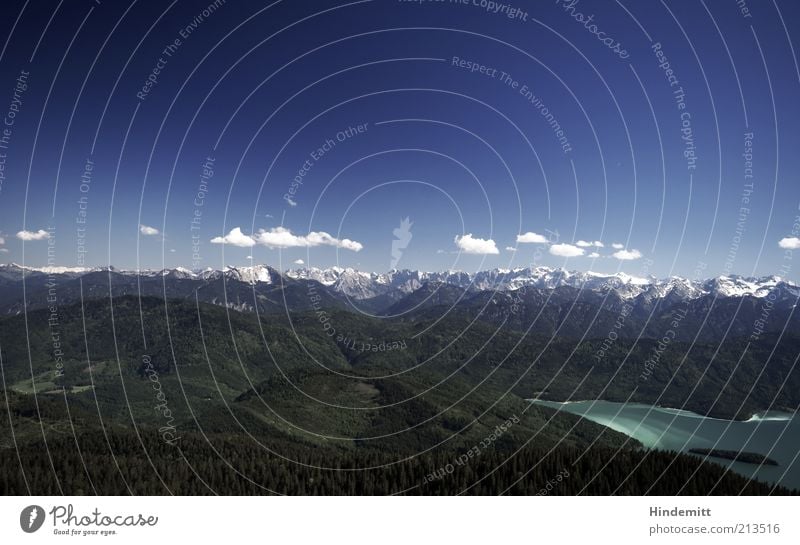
255,274
363,285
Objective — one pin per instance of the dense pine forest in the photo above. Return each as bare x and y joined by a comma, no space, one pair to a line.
186,399
141,465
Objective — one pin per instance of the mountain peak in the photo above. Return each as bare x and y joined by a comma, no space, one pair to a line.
364,285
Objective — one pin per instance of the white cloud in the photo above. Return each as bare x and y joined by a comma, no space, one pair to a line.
510,249
299,262
41,234
249,257
470,245
627,255
440,251
790,243
3,250
598,244
593,255
281,237
566,250
532,238
617,246
2,240
148,231
235,238
588,244
172,250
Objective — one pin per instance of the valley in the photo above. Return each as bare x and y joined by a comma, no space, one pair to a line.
286,364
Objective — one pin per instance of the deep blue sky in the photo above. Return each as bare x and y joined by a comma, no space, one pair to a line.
456,152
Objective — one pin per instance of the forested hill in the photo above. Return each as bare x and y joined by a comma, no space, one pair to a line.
153,383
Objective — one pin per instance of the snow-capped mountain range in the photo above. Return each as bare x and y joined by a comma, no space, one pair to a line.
365,285
362,285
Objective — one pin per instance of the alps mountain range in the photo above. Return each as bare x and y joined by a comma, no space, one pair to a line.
361,285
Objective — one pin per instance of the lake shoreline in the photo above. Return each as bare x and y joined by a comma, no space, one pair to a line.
757,416
766,435
734,455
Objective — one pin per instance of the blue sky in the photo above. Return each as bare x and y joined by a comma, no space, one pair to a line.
376,108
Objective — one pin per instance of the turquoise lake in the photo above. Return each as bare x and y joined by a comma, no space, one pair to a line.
774,434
